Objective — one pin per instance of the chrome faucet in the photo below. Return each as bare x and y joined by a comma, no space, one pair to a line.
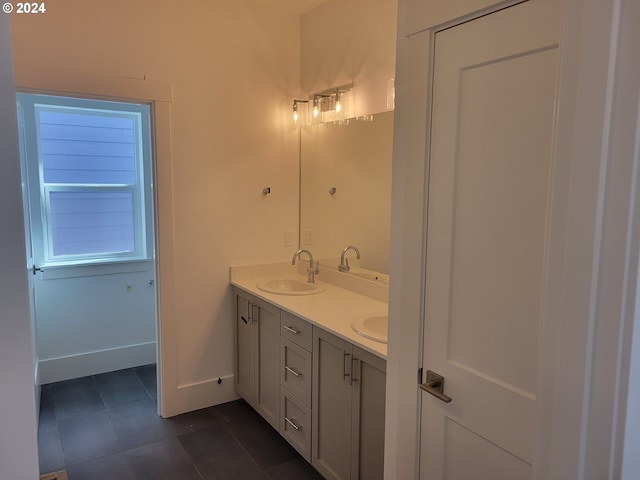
312,271
344,262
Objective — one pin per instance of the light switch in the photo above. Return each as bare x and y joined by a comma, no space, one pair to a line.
308,237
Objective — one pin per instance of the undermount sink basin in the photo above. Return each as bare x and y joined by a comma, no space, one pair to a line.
290,286
374,327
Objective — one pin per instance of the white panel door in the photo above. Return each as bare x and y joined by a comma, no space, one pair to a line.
489,186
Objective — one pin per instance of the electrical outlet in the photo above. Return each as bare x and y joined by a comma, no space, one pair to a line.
288,238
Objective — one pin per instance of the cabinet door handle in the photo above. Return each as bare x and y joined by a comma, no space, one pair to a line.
246,322
292,423
291,371
292,330
346,371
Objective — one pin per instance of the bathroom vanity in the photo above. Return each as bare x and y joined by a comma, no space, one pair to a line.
301,364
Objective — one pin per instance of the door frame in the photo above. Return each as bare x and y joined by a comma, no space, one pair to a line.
40,80
119,352
19,453
586,326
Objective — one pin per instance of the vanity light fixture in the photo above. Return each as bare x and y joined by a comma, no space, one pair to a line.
331,105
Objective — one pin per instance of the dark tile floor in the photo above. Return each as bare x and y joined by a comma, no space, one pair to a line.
106,427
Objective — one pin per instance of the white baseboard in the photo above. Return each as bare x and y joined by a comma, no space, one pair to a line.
199,395
93,363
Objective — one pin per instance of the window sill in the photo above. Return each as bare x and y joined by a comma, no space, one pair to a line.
111,267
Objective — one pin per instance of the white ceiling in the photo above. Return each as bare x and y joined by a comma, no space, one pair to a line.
295,6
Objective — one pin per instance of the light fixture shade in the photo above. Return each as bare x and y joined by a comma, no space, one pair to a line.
343,108
299,112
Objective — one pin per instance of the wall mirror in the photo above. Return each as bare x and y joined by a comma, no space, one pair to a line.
345,191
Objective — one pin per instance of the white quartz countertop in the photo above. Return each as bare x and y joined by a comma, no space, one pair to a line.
333,310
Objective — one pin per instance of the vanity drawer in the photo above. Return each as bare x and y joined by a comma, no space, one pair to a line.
295,370
297,330
295,423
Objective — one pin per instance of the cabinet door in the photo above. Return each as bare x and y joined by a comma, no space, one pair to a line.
267,393
331,412
245,360
369,384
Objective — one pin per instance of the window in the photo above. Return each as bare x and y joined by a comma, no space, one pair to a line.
88,165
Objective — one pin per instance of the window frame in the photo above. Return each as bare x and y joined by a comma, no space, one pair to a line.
30,106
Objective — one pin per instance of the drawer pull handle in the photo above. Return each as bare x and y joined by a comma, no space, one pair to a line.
292,330
291,371
291,422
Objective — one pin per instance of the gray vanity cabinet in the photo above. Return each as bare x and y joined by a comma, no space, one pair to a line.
323,394
348,409
257,354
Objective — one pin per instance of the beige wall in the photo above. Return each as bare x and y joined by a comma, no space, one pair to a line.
232,66
351,41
